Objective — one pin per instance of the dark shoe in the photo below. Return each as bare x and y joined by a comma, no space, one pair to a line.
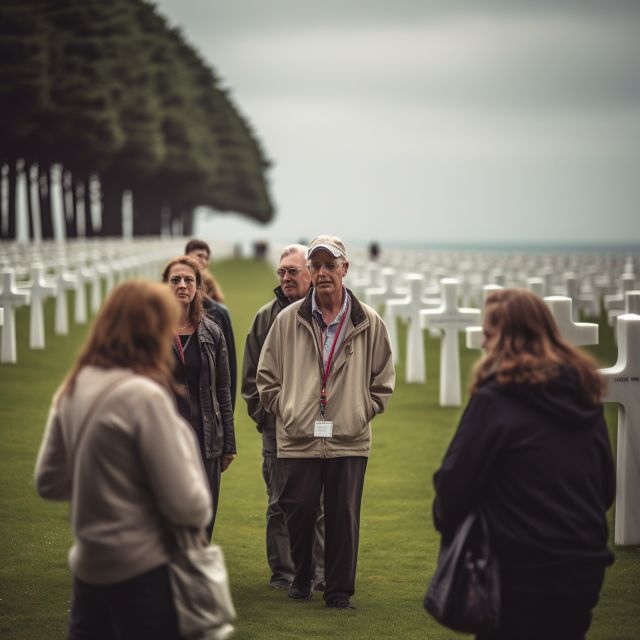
300,593
319,585
280,583
339,603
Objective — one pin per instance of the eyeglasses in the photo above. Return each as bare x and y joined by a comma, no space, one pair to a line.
292,271
189,281
328,266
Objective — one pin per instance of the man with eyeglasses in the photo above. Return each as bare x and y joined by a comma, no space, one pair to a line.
325,371
295,281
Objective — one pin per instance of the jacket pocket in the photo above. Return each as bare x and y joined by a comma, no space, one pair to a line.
297,421
218,432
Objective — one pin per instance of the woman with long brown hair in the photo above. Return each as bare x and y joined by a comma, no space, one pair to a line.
201,372
532,452
116,448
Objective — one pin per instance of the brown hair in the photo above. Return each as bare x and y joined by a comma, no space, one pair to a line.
194,245
528,347
195,308
133,329
210,286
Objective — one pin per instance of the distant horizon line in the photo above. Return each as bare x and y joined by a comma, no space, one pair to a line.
589,245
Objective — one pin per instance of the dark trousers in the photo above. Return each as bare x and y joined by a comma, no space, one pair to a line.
526,616
213,468
342,480
141,607
277,535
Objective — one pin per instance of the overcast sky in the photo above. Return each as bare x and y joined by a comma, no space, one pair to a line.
433,122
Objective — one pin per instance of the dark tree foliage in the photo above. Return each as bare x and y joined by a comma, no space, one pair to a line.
108,88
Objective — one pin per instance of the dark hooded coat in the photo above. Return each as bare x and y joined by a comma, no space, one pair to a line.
537,460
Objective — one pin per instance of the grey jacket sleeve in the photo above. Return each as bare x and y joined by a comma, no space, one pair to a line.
252,347
269,376
52,478
223,392
170,456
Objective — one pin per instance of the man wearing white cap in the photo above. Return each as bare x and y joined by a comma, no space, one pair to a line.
325,371
295,282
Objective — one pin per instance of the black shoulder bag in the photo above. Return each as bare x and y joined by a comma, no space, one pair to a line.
464,592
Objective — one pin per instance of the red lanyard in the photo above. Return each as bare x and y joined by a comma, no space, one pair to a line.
179,349
325,377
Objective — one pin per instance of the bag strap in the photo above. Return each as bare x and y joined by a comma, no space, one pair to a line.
100,400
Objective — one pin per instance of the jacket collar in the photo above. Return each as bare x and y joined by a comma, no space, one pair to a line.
283,301
358,315
204,331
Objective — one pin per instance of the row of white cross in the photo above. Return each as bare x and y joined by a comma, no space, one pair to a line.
411,299
30,274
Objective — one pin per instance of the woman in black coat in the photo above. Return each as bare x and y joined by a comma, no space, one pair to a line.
532,451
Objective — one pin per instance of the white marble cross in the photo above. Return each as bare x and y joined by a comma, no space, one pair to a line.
105,271
588,300
632,301
63,281
89,274
378,295
363,278
408,308
10,298
80,308
537,286
450,319
631,305
623,383
39,290
616,301
577,333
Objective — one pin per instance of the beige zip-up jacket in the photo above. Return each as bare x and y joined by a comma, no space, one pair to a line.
360,383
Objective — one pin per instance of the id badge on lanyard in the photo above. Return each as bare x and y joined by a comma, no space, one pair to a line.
324,428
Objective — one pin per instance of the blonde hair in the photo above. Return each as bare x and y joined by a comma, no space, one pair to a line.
528,348
133,329
195,308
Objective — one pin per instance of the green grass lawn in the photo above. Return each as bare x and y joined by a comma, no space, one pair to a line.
398,544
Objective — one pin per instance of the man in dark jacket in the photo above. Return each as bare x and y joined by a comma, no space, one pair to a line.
295,281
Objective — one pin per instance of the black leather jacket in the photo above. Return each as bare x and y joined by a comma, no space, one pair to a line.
215,394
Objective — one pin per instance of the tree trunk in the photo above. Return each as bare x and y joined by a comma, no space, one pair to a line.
46,223
89,231
69,202
147,219
30,213
187,222
175,221
11,201
111,209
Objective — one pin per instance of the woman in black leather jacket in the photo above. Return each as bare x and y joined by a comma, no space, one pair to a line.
201,372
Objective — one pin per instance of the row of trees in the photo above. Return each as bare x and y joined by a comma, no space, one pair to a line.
108,88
